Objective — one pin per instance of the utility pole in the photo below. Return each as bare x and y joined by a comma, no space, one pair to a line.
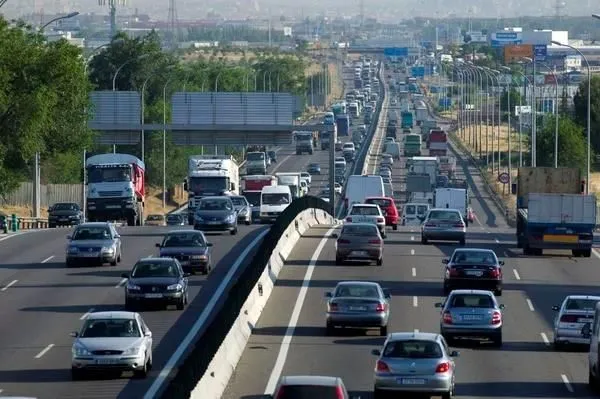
173,25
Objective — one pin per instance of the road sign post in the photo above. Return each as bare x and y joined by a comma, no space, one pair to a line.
504,178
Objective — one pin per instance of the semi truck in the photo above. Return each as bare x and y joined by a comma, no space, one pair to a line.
425,165
115,188
407,120
339,108
438,143
210,175
412,145
342,122
256,163
305,142
552,212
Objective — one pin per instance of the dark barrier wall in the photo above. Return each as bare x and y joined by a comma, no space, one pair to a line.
206,345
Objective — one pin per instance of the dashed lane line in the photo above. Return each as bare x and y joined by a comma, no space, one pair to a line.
415,301
530,304
44,351
48,259
121,283
565,381
414,272
7,286
545,338
516,273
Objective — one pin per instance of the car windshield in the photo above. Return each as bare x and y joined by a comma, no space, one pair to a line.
365,210
356,290
357,230
155,217
275,199
253,197
65,207
154,269
470,257
238,201
581,304
471,301
110,328
215,205
304,174
413,349
409,210
174,218
450,216
383,203
340,160
308,392
422,209
92,233
184,240
313,166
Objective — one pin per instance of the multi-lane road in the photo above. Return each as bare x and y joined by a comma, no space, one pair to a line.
290,337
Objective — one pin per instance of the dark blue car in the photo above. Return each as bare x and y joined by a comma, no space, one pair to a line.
190,248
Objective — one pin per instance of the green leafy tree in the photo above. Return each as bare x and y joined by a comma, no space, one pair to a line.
580,108
515,97
571,144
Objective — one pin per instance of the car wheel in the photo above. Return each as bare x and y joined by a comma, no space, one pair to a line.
181,304
129,306
143,372
395,227
234,231
76,374
378,393
69,263
447,289
339,261
558,345
119,257
207,270
114,262
424,240
497,340
247,222
592,382
329,329
449,394
380,261
498,292
383,331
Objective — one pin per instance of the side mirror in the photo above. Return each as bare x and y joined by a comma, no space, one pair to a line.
438,305
187,274
69,237
555,308
124,275
454,354
334,235
445,261
148,334
328,295
501,306
209,244
158,245
185,185
376,352
74,334
586,331
387,294
501,263
117,235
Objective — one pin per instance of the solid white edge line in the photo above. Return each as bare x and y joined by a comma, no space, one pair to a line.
516,273
530,304
497,241
414,272
596,254
565,381
121,283
7,286
49,258
415,301
545,338
44,351
208,309
11,235
289,333
86,314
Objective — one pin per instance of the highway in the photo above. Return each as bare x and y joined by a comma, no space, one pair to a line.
290,337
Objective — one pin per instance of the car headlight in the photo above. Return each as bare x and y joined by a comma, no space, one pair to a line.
132,287
243,212
231,217
128,191
108,250
175,287
79,350
198,257
74,216
134,350
73,249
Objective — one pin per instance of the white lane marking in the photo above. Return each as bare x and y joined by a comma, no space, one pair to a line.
208,309
414,272
415,302
412,251
1,391
11,235
121,283
477,220
7,286
565,381
497,241
280,163
596,254
44,351
530,304
416,330
412,230
289,333
412,238
49,258
517,275
545,338
86,314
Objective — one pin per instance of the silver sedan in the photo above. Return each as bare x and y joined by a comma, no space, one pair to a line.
359,242
94,242
572,315
415,362
443,224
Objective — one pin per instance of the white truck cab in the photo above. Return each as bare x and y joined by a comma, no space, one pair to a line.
273,201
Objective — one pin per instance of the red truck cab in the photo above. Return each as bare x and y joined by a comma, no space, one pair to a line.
388,207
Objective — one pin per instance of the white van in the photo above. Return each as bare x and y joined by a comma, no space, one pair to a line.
358,188
413,213
273,201
329,118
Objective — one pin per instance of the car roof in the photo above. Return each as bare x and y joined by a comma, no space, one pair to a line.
310,380
95,224
596,297
215,197
360,224
155,259
475,292
111,315
356,282
444,209
405,336
366,205
475,250
380,198
185,231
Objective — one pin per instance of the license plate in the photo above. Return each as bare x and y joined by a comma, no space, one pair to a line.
113,206
411,381
184,262
358,308
214,222
64,219
153,295
561,238
470,317
476,273
584,320
359,253
106,361
90,255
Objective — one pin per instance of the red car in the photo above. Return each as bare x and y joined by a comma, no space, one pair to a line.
470,215
388,207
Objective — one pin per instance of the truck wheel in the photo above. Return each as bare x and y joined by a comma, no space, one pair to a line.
586,253
131,220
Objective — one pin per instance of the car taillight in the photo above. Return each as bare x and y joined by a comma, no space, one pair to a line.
348,219
339,392
380,220
453,272
333,307
429,224
496,317
495,273
568,318
442,367
381,307
342,241
447,318
382,367
378,241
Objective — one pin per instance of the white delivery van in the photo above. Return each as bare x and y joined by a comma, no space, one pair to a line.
452,198
273,201
358,188
414,213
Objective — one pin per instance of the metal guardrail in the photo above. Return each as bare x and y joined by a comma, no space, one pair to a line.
15,223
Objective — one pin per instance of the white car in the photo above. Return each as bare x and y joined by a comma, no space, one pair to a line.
307,177
367,213
337,188
390,140
385,172
387,159
340,160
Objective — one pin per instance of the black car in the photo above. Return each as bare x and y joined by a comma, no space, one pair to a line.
473,268
216,214
156,281
272,156
64,214
176,219
190,248
314,169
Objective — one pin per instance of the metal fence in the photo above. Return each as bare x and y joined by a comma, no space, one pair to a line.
49,194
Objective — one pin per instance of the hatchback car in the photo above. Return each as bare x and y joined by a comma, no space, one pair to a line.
94,242
359,241
367,213
314,169
310,386
176,219
471,314
242,208
358,304
572,315
445,225
155,220
340,160
384,172
417,363
388,208
473,268
307,177
387,159
156,281
272,156
216,214
190,248
112,341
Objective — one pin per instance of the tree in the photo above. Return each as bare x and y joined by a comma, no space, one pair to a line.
580,105
515,99
571,144
564,102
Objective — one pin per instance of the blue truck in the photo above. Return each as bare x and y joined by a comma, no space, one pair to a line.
552,212
406,120
343,124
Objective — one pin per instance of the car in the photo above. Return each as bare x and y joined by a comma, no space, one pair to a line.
385,172
156,281
471,314
313,386
190,248
416,363
338,145
443,224
470,215
324,195
307,177
339,178
572,315
359,241
367,213
340,160
272,156
388,208
112,341
216,214
242,208
473,268
314,169
357,304
94,242
64,214
389,140
176,219
155,220
387,159
406,131
337,187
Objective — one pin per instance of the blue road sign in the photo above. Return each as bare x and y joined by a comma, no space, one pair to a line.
418,72
396,51
502,43
540,52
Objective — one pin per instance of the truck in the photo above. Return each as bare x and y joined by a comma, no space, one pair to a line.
251,188
339,108
115,188
412,145
256,163
353,109
292,180
210,175
448,166
305,142
342,122
407,119
438,143
552,212
325,139
452,198
421,113
424,165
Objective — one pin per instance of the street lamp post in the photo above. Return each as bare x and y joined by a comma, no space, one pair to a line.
164,193
509,89
534,115
589,103
114,82
553,72
69,15
528,82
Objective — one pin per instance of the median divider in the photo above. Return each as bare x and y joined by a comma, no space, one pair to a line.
209,365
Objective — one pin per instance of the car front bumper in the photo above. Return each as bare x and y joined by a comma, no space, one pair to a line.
218,226
152,298
87,258
108,363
